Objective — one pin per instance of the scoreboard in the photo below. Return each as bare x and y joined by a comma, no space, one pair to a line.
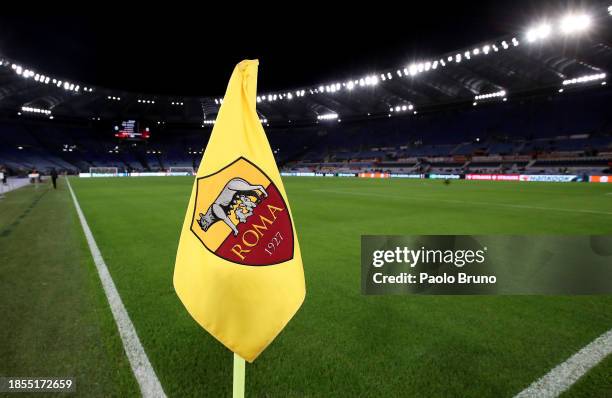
129,130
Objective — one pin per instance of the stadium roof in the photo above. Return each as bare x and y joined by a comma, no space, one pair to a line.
561,53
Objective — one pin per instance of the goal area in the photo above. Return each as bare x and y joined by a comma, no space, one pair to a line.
181,171
104,171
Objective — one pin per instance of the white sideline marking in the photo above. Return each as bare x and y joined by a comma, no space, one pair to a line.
608,213
567,373
141,367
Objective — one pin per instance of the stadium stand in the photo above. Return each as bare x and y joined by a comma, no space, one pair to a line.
513,104
492,138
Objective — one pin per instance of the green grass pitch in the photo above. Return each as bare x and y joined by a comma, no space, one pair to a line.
340,343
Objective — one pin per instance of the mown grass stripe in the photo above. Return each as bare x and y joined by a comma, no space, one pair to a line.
465,202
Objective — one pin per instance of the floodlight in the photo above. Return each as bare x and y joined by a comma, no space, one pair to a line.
537,33
575,23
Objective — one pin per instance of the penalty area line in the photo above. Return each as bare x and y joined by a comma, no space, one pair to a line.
564,375
139,362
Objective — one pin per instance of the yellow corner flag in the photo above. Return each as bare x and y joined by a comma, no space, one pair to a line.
238,266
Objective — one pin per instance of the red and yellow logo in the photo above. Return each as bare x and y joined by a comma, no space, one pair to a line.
240,216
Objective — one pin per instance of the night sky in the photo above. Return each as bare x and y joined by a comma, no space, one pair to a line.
193,52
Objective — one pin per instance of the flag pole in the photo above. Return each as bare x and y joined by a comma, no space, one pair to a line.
239,365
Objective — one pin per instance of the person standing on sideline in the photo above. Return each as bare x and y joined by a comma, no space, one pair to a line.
54,177
4,172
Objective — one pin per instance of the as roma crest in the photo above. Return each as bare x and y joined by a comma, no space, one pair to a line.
240,216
